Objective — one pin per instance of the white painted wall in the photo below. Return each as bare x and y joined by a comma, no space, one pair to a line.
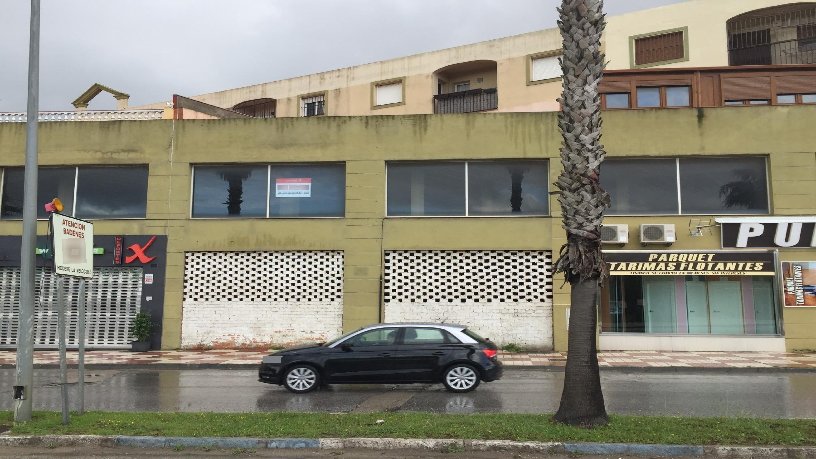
253,324
525,324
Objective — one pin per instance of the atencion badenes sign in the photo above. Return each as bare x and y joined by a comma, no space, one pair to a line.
689,263
73,246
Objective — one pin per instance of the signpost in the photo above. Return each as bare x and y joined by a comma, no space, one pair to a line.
73,257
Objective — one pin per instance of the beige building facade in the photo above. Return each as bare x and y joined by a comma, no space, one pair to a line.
521,74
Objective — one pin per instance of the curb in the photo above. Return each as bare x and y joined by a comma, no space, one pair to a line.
632,449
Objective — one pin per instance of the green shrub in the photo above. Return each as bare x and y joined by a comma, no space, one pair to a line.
141,327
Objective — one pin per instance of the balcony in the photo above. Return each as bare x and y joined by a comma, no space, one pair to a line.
94,115
781,35
473,100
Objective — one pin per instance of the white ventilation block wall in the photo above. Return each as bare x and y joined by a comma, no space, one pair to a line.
502,295
248,299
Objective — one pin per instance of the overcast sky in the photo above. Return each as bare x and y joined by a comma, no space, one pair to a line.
152,49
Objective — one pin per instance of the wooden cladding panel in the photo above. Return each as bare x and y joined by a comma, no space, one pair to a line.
795,84
607,86
659,48
709,91
744,88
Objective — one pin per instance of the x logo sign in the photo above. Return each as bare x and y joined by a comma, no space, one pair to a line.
139,252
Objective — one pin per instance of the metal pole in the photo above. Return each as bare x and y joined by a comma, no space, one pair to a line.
81,370
25,333
62,357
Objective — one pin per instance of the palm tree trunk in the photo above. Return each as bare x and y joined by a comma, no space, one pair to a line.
582,401
583,202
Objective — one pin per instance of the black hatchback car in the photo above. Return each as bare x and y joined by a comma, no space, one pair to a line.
388,354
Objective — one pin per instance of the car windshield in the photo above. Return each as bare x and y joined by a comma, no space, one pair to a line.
337,340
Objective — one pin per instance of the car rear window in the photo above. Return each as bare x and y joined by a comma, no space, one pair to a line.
474,335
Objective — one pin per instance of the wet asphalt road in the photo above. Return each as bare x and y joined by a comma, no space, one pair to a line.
688,393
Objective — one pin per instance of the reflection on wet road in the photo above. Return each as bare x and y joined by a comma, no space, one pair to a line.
690,393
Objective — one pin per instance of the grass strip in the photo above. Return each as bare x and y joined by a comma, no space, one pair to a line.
519,427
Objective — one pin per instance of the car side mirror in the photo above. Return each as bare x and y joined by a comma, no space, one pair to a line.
346,347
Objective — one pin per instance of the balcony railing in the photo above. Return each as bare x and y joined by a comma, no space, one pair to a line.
94,115
474,100
780,52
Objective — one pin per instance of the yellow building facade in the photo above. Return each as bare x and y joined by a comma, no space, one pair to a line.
382,252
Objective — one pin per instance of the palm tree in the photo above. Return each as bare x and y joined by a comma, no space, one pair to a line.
583,202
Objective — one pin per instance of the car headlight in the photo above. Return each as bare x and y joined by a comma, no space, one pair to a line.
272,359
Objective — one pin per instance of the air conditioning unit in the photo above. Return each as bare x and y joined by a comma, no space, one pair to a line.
657,234
614,234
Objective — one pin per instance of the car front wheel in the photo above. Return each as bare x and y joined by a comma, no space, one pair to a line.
301,379
461,378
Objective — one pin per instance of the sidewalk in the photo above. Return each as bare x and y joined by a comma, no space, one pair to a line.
619,359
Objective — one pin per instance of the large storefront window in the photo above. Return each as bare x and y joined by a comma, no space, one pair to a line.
472,188
724,294
285,190
101,191
707,186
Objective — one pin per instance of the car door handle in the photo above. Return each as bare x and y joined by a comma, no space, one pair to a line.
439,353
385,354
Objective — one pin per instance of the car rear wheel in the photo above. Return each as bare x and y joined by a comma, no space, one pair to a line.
461,378
301,379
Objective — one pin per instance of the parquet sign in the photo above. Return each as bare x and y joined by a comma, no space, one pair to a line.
690,263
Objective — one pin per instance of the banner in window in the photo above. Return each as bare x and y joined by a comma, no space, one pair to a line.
690,263
293,188
799,283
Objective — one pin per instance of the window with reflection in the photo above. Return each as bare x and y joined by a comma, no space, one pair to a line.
473,188
101,191
723,186
111,192
276,191
640,186
508,188
736,185
230,191
416,189
307,190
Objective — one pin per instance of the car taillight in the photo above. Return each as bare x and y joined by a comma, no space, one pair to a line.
490,353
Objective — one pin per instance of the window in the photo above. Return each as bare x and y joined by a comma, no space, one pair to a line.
641,186
276,191
313,105
678,96
648,97
544,68
474,188
796,99
695,305
101,192
706,186
229,191
376,337
723,186
659,48
737,103
417,335
461,86
616,100
389,93
806,37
